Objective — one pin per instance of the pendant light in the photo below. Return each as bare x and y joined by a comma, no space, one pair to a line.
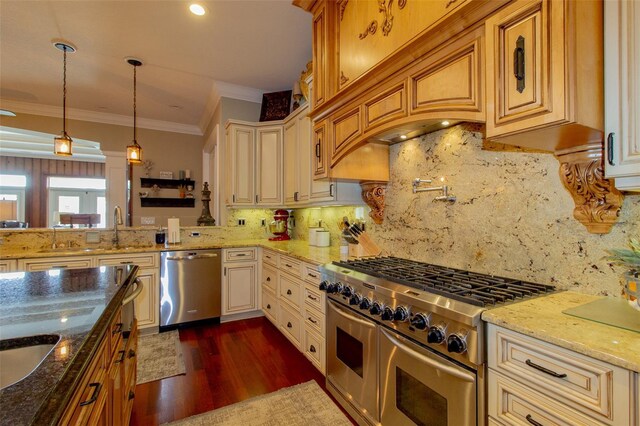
62,143
134,151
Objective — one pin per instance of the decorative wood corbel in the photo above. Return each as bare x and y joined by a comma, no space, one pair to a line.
597,201
373,194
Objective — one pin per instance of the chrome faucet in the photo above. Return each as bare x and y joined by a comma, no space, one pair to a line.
117,220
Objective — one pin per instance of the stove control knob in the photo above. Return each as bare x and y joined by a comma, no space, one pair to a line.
401,314
347,291
420,321
387,314
376,308
435,334
355,299
456,343
334,288
365,303
323,285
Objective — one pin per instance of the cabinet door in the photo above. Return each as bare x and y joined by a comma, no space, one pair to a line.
146,305
239,289
241,177
319,41
622,92
291,162
269,166
525,66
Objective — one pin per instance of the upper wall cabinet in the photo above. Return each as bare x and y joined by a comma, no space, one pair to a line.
545,74
622,93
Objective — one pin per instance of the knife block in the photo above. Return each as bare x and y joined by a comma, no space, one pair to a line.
356,250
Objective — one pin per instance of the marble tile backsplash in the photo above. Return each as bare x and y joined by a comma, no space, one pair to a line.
513,217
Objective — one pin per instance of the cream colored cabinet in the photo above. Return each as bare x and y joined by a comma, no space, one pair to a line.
544,73
47,263
239,285
297,154
8,265
147,304
622,93
533,381
314,317
269,276
255,164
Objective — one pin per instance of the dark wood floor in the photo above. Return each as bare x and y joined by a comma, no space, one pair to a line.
225,364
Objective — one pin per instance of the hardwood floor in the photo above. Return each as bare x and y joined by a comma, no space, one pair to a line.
225,364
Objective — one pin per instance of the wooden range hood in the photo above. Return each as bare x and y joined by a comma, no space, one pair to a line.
531,70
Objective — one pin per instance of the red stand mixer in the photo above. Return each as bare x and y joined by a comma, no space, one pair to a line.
279,226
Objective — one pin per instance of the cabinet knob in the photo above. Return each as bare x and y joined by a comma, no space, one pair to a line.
289,325
289,293
312,349
268,306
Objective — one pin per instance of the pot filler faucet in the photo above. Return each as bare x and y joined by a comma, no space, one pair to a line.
117,220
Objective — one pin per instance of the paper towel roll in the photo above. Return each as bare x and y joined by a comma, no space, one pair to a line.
173,230
312,236
322,238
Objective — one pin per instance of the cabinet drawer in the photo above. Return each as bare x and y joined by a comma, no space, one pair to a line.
145,260
290,265
515,404
290,324
33,265
290,290
269,305
311,274
314,297
314,320
595,387
314,349
269,277
239,254
270,257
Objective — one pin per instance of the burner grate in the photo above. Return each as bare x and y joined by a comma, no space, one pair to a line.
465,286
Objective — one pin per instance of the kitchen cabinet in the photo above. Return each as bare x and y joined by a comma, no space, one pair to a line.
147,304
320,39
239,284
269,285
47,263
544,74
534,381
297,157
314,318
622,93
255,164
8,265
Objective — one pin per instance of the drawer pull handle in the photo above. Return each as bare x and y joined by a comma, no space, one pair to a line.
94,396
518,64
610,149
289,293
241,254
59,267
126,262
315,299
312,275
545,370
312,320
312,349
118,361
117,328
533,422
288,266
289,325
268,279
268,306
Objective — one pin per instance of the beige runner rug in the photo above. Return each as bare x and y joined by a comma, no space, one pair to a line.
159,356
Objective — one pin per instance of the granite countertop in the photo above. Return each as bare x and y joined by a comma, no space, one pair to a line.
77,305
295,248
543,319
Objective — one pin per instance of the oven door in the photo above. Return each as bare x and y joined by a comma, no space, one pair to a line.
351,358
419,387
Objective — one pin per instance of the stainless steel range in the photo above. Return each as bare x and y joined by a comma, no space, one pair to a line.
405,343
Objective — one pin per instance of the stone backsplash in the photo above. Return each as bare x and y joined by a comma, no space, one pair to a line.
512,217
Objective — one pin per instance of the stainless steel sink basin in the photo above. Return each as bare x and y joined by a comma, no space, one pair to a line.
20,357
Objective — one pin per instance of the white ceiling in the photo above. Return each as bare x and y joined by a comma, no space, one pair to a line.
240,46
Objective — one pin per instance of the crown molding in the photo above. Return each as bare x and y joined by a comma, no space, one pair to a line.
219,90
99,117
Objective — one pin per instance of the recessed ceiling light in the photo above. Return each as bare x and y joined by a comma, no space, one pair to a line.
197,9
445,123
7,113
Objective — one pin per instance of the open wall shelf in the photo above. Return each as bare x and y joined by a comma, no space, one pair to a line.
166,183
167,202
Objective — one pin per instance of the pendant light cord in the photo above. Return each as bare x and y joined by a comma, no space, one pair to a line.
64,92
134,105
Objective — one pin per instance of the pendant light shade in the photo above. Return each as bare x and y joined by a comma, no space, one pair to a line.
134,151
62,144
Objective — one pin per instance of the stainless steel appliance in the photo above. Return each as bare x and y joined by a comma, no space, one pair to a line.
190,286
405,343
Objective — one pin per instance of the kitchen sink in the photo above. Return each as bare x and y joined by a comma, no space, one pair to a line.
21,356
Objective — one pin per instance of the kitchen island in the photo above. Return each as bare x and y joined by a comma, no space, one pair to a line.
78,305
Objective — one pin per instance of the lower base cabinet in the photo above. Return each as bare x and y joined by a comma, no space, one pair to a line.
239,281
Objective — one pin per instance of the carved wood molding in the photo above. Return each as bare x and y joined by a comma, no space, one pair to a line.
342,6
373,193
597,201
371,29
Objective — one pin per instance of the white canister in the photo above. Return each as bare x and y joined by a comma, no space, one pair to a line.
322,238
312,236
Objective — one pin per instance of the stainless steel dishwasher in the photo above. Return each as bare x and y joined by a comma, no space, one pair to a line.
190,286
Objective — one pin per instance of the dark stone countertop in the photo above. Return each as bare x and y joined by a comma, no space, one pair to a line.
78,305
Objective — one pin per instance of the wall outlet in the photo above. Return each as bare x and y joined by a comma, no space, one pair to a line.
147,220
263,222
242,222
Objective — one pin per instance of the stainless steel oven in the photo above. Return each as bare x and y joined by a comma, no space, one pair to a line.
420,388
352,367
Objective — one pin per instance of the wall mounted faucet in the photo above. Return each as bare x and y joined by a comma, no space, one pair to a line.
444,188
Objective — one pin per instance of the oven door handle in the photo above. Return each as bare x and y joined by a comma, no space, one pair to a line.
346,315
458,373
